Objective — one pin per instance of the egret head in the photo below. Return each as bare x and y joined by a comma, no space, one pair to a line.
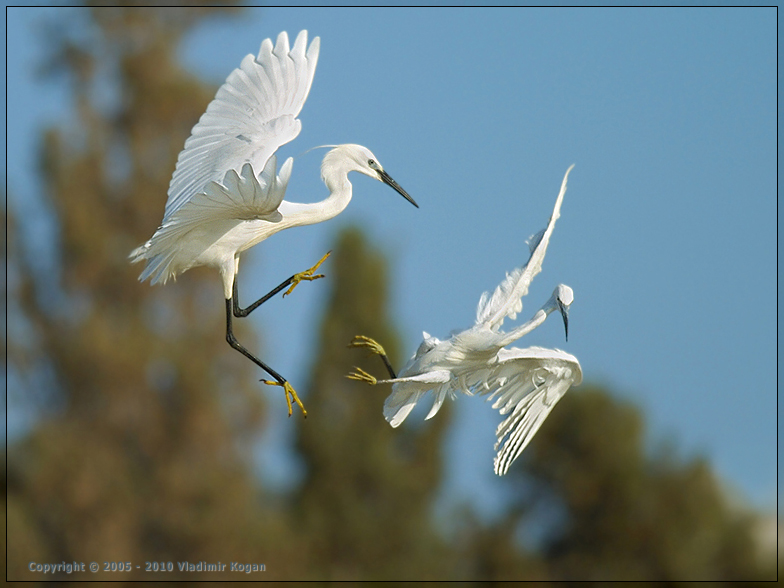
358,158
563,296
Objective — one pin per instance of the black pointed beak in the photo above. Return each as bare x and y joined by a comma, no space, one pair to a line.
565,314
384,176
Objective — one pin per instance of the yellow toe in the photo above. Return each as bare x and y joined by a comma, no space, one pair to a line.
307,275
291,394
361,375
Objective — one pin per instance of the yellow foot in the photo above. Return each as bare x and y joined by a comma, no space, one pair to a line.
290,392
307,275
368,343
361,375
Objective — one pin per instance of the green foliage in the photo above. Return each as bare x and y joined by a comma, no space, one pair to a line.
142,462
369,489
628,516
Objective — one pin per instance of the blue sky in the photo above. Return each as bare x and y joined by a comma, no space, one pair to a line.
667,233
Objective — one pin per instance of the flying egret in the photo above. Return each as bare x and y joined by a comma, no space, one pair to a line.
527,382
225,195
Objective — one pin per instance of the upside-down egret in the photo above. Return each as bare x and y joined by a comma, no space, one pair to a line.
225,195
527,382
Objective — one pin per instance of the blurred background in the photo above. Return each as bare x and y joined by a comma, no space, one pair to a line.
134,433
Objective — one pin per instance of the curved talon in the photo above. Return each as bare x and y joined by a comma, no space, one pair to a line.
307,275
288,390
370,344
361,375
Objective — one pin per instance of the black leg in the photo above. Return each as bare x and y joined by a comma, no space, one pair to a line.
392,373
243,312
236,344
375,347
290,393
307,275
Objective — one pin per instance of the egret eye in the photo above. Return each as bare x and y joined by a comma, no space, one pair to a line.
372,163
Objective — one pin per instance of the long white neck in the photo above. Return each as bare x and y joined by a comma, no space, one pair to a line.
524,329
297,214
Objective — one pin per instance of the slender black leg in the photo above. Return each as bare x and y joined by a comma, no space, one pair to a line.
280,380
243,312
388,365
236,345
233,308
375,347
307,275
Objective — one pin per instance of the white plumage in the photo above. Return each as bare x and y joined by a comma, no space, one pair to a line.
210,216
507,299
226,196
525,383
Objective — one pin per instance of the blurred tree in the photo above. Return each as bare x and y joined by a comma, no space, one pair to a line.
618,514
366,500
142,461
493,552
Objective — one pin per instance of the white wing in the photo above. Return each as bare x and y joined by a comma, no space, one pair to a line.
252,115
528,383
407,391
213,211
506,300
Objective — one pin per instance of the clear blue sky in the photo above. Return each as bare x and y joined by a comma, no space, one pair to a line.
667,233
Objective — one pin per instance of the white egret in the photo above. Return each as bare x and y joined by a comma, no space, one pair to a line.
527,382
225,195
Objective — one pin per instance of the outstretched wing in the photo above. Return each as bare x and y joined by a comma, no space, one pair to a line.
211,213
526,383
506,300
254,113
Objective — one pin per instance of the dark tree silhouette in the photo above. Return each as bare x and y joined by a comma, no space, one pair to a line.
369,489
141,464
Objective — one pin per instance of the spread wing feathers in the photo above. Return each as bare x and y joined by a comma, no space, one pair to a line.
407,391
216,209
240,196
254,113
527,384
506,300
524,382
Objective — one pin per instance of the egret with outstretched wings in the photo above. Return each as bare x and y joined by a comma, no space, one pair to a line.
226,195
525,382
